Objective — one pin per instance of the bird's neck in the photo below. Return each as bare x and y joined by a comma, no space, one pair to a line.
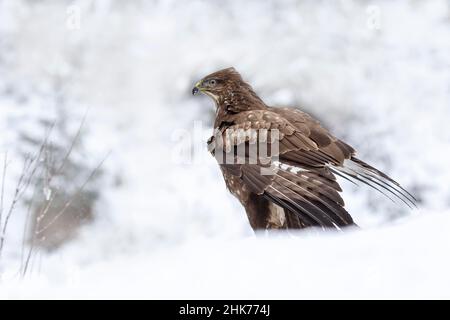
229,106
239,100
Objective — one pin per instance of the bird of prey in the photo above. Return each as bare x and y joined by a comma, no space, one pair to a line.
299,188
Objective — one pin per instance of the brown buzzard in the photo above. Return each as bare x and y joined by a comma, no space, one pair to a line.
299,189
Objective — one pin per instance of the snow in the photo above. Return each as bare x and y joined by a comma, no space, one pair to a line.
377,75
384,263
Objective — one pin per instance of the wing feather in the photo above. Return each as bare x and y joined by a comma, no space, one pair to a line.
311,193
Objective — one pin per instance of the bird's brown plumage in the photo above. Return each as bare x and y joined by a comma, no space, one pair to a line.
302,191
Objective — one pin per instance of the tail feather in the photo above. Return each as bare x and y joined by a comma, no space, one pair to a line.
377,173
361,171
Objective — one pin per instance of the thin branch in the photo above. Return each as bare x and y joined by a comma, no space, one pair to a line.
45,171
72,145
24,266
28,259
47,180
23,183
12,206
2,192
80,189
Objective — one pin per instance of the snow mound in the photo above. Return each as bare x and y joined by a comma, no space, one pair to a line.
407,260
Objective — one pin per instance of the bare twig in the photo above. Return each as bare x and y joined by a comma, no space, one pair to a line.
72,145
39,165
2,192
28,259
13,205
49,175
44,211
80,189
31,165
24,266
45,171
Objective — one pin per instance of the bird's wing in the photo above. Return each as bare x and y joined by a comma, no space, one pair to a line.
339,157
330,150
312,192
309,157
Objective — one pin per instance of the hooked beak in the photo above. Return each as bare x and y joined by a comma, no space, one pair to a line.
196,88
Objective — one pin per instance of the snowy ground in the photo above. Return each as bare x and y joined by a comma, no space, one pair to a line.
409,260
376,73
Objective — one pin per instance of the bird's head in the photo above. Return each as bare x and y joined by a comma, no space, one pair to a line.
229,91
218,84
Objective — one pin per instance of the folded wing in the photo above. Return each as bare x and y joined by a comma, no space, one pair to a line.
302,180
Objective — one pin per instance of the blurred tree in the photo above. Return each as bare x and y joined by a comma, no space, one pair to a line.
58,205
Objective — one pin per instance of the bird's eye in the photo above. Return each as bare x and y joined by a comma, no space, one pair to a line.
212,82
